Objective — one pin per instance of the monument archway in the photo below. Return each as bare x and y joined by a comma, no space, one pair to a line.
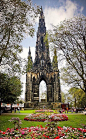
42,69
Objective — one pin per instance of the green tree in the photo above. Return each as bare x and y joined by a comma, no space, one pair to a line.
69,37
78,96
69,99
63,96
55,62
46,40
10,88
29,64
17,19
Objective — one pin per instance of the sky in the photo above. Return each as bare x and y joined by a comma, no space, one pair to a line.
55,11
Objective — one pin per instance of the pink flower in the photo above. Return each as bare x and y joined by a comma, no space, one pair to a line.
23,133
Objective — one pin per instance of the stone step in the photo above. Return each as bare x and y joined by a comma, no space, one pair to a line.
41,103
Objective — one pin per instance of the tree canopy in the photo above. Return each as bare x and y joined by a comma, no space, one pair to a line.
70,37
78,97
10,88
16,19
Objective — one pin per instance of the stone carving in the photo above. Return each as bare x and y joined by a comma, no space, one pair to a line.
42,69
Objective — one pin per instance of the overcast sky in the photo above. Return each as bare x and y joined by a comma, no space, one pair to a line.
55,11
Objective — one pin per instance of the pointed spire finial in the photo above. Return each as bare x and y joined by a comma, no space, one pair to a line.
29,53
41,8
41,13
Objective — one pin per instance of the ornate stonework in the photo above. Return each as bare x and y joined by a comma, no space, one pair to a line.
42,69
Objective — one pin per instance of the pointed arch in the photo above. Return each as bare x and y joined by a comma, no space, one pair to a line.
42,91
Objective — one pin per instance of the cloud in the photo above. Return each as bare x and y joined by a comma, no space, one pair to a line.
82,8
55,15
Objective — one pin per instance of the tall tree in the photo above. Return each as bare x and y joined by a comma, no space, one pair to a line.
70,37
10,88
78,95
63,96
16,18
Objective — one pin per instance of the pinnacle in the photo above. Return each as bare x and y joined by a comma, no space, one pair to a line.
41,8
41,13
29,53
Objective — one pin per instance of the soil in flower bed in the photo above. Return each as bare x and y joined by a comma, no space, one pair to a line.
41,117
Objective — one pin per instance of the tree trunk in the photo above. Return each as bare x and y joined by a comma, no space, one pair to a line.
85,97
11,107
0,107
75,102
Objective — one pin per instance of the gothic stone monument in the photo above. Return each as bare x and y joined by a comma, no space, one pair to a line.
42,69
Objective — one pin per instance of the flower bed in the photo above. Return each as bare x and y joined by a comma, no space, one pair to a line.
43,110
40,132
41,117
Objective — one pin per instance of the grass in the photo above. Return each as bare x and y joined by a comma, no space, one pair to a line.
75,120
4,123
27,111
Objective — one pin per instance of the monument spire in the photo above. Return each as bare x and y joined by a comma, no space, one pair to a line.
41,14
30,61
42,48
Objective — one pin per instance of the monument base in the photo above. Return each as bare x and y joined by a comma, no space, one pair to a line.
30,104
41,105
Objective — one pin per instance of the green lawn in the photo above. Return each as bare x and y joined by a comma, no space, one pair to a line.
28,111
4,123
75,120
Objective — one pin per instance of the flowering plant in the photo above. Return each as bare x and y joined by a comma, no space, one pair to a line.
43,117
16,121
40,132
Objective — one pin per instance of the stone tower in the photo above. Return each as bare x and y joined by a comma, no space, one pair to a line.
42,69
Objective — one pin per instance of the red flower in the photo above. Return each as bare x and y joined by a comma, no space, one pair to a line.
57,137
29,130
25,128
84,130
8,129
41,126
63,134
44,135
3,132
48,137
